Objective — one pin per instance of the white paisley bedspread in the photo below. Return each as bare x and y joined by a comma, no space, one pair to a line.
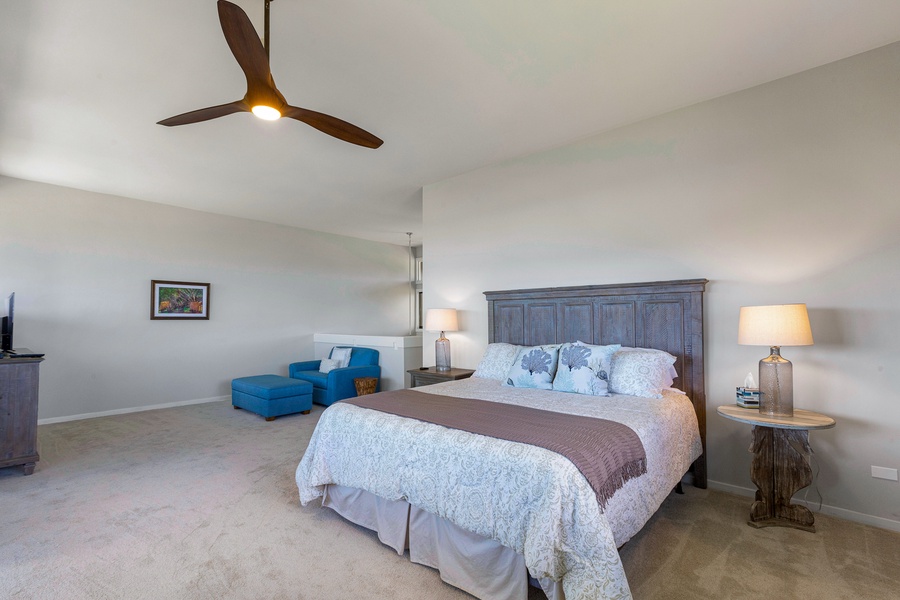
527,498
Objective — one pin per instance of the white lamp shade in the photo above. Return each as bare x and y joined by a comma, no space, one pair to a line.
441,319
776,325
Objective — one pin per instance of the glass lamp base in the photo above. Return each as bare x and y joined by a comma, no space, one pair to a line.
442,354
776,385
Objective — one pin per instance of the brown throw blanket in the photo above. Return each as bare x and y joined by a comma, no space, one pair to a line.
606,452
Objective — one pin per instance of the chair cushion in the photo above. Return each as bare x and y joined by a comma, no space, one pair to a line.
317,379
362,357
271,386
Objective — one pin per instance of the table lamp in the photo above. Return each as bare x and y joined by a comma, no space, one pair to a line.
441,319
775,326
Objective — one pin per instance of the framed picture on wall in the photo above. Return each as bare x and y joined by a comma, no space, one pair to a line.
179,300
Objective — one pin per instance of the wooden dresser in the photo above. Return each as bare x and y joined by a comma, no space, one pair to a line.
18,412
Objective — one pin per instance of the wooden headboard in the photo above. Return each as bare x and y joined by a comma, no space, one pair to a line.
666,315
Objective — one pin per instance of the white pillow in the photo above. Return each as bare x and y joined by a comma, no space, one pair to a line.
342,355
534,367
328,365
584,369
670,379
497,360
640,372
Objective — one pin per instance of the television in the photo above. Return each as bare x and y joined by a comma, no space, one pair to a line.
6,328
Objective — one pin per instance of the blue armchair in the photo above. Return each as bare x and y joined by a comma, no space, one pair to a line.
338,384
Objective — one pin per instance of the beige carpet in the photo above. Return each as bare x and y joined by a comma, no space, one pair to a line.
200,502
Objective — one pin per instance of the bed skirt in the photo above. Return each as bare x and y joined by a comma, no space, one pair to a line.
480,566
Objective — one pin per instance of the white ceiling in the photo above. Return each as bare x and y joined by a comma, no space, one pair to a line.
450,85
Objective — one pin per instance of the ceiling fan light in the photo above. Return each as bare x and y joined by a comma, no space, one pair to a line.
266,112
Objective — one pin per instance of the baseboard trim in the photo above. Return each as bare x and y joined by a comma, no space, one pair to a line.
833,511
124,411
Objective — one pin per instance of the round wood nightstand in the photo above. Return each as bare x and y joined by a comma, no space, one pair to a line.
780,467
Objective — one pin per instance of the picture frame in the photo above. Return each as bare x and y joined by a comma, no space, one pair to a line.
179,300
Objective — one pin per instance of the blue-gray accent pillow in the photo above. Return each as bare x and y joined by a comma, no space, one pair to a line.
534,367
584,369
341,355
327,365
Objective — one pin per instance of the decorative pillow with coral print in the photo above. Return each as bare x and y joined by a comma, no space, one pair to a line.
534,367
584,369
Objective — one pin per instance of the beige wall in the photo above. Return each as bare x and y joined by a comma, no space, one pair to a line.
787,192
81,264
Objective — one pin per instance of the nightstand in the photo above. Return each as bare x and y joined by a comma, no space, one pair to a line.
780,467
419,377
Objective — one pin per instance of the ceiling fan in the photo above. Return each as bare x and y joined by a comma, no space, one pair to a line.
262,98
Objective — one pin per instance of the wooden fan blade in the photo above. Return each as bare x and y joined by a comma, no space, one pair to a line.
333,126
245,46
205,114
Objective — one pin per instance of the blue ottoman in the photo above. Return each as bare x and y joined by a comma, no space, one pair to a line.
271,395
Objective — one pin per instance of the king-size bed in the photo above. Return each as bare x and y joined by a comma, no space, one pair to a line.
491,512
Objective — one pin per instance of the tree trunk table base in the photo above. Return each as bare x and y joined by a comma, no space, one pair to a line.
780,468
